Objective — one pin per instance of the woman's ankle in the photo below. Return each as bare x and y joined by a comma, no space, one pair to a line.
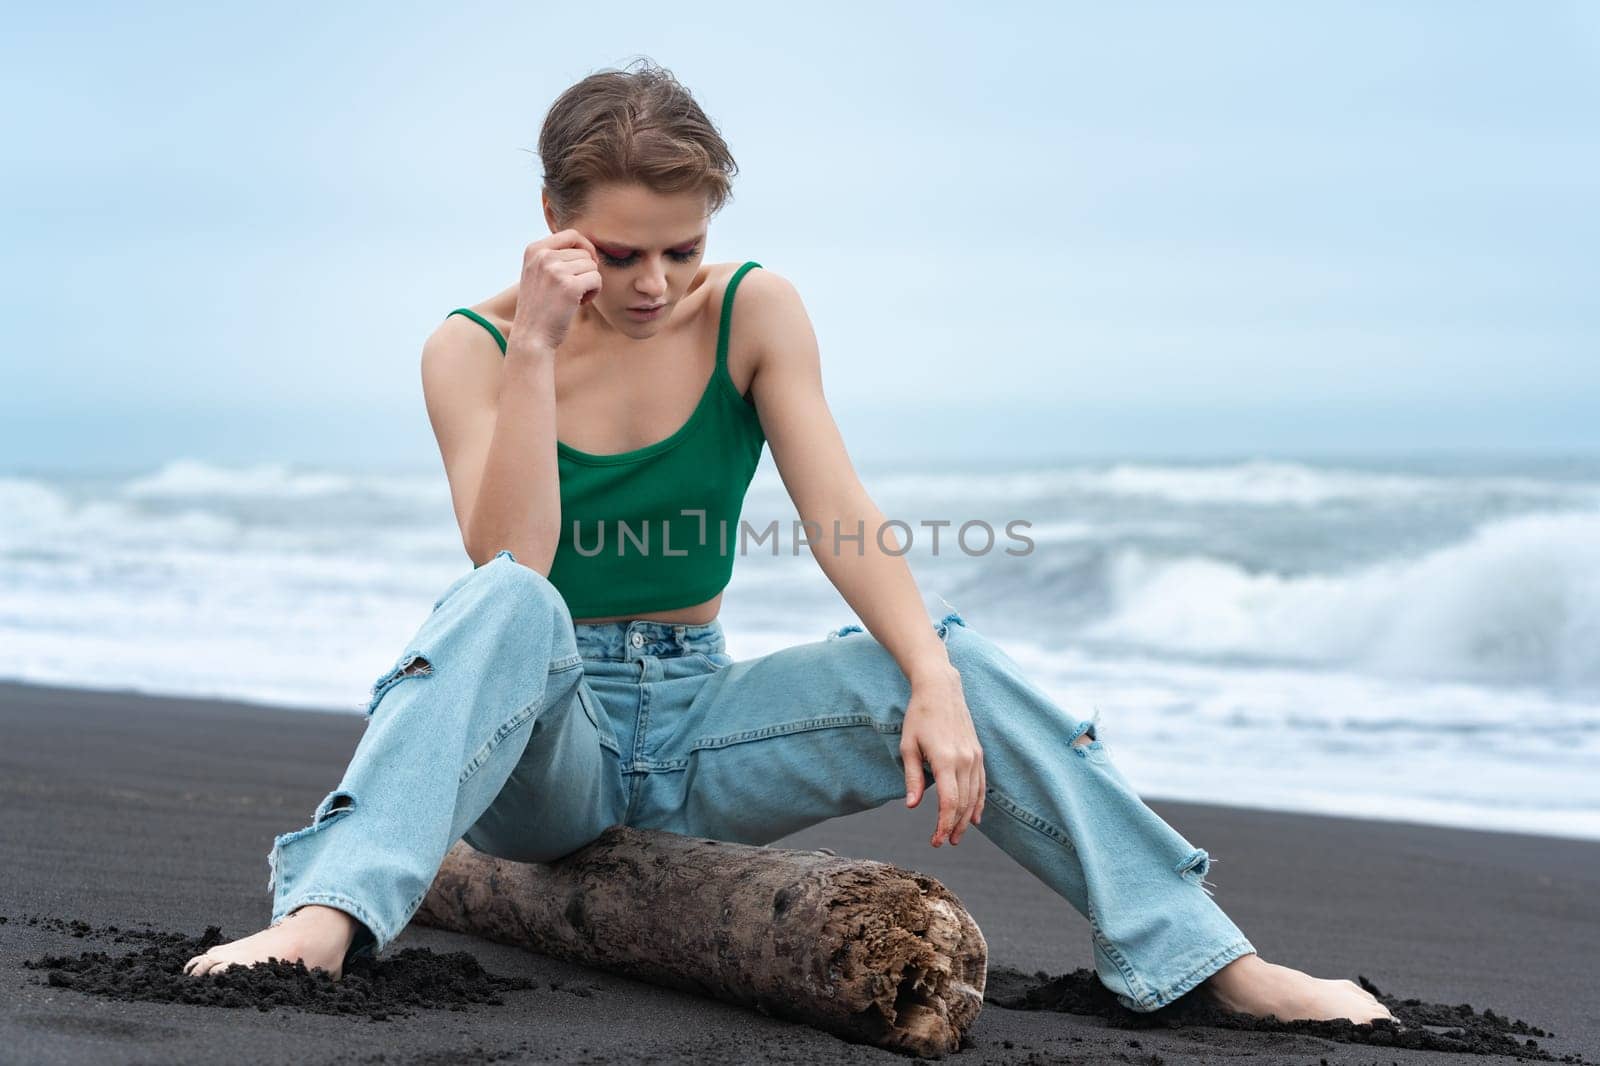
1230,983
323,926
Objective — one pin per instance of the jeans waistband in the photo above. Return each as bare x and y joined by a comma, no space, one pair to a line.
642,637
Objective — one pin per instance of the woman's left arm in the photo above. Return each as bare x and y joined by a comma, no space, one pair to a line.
843,528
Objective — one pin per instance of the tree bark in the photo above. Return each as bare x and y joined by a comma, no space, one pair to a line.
864,950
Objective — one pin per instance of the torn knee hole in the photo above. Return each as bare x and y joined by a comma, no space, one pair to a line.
417,667
1194,866
335,803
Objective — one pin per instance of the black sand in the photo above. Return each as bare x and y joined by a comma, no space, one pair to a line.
153,816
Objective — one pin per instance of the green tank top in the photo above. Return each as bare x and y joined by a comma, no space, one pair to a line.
657,527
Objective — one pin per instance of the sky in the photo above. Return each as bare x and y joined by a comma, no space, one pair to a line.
1021,230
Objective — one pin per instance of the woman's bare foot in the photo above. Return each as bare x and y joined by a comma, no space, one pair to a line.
1251,985
315,935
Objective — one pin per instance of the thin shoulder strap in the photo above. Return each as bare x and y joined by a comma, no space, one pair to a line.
727,311
484,322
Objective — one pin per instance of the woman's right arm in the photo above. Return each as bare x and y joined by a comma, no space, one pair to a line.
495,418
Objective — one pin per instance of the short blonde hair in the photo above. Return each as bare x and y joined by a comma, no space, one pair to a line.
638,124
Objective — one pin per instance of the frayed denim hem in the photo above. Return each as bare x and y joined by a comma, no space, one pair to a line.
1157,1000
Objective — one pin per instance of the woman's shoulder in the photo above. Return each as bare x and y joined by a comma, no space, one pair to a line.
714,277
758,276
498,311
762,293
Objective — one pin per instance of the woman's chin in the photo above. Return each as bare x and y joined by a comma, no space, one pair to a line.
633,327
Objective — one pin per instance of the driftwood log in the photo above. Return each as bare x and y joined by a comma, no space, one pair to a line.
864,950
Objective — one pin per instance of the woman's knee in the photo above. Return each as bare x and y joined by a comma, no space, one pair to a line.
524,580
1002,697
504,587
987,675
976,658
492,643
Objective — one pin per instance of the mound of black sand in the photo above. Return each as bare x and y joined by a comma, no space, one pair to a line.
415,978
1421,1026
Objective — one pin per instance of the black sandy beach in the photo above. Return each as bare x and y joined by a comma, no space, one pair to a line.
133,811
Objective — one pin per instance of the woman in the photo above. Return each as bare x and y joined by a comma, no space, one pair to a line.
577,678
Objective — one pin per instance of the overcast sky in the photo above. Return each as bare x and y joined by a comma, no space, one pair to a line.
1019,229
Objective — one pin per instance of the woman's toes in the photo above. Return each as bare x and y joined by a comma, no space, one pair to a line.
1377,1007
201,965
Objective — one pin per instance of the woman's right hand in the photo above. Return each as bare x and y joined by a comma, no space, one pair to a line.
559,274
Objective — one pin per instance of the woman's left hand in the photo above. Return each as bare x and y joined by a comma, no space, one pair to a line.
938,730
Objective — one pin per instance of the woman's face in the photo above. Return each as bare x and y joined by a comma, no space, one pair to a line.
650,245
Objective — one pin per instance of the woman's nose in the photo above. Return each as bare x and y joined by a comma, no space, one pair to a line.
652,280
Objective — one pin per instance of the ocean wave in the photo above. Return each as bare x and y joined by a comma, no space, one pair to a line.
1413,646
1517,601
39,518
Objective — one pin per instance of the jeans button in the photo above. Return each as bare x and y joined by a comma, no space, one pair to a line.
637,640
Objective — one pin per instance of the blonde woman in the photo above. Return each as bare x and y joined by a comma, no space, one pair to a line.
577,676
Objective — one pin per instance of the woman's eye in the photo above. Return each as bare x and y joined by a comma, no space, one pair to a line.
623,261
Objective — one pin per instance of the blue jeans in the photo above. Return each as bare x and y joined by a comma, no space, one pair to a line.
505,723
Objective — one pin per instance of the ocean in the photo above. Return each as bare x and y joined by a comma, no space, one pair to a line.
1407,637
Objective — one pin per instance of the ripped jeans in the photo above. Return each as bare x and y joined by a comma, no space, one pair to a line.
505,723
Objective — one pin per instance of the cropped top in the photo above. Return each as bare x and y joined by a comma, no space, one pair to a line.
657,527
